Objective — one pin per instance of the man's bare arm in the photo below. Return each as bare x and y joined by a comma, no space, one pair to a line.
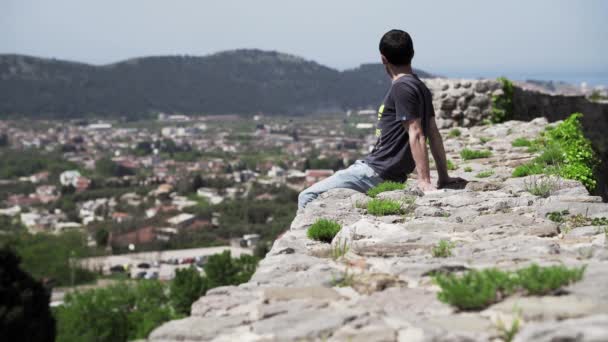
438,151
417,141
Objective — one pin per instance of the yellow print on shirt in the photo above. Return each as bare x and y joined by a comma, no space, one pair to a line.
380,111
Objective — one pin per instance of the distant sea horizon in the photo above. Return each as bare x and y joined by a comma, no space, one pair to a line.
592,79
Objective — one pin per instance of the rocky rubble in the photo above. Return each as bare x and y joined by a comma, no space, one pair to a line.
382,289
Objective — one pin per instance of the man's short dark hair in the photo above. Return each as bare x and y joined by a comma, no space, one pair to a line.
397,46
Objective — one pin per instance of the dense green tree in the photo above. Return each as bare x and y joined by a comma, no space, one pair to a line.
4,140
117,313
17,188
24,303
221,269
10,225
143,148
108,168
168,146
127,311
21,163
68,148
197,182
51,256
332,163
261,249
67,204
67,189
101,236
268,218
187,286
190,184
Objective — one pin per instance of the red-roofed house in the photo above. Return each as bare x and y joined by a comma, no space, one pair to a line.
140,236
119,216
82,183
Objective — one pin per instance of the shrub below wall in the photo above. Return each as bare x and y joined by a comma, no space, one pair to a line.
565,151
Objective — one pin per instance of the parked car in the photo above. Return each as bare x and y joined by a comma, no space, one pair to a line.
143,265
201,260
187,261
117,269
151,275
140,275
172,261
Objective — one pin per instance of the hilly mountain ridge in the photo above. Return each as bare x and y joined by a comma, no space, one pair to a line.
230,82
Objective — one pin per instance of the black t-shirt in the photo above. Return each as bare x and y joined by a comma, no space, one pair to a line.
408,98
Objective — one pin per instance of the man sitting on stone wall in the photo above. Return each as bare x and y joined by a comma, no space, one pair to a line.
405,119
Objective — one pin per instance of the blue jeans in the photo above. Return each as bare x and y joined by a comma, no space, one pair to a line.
358,176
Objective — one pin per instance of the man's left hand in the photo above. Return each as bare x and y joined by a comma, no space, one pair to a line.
442,183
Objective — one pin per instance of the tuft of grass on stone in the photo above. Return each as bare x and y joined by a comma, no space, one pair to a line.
557,216
381,207
468,154
542,186
548,161
323,230
552,155
484,140
578,220
451,166
468,169
521,142
408,204
484,174
443,249
361,204
476,290
339,249
385,186
528,169
599,221
539,281
454,133
508,334
344,280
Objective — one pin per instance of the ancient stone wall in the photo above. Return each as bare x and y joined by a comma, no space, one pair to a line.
462,103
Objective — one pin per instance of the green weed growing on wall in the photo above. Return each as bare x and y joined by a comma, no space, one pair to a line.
502,105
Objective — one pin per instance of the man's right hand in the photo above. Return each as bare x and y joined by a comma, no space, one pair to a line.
426,186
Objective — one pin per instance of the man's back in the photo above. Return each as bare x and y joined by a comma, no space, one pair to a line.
408,98
405,121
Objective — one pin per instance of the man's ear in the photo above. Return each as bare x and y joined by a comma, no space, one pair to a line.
384,60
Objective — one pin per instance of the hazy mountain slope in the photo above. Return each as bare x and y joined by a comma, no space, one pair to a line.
239,81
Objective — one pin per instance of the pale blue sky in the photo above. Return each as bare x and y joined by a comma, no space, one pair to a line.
449,36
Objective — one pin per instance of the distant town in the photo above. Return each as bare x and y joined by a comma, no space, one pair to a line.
177,182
